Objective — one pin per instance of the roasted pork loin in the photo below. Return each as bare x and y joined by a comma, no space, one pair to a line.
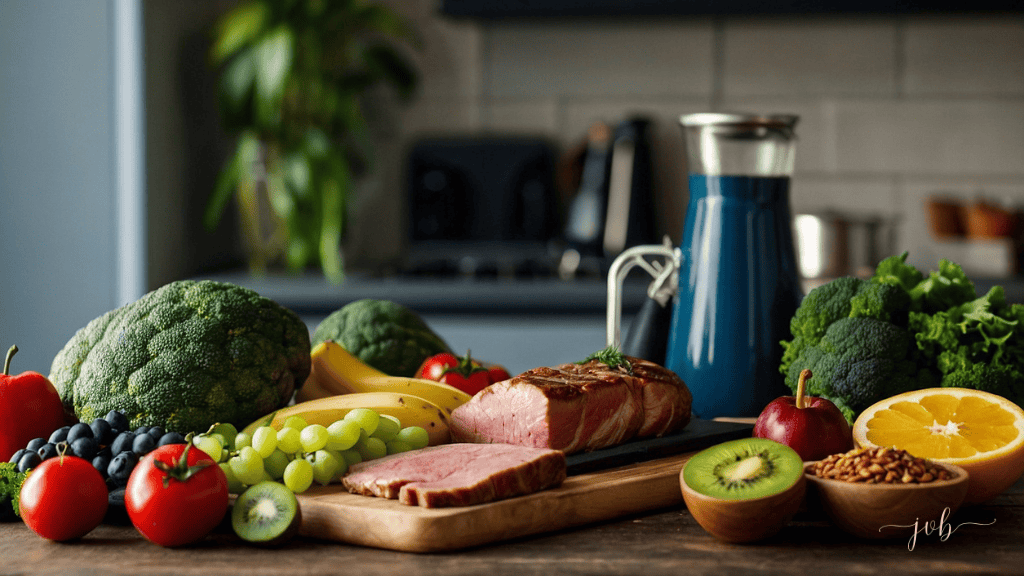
576,407
457,474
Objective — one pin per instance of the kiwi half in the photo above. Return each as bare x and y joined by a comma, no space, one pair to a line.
266,513
743,469
744,490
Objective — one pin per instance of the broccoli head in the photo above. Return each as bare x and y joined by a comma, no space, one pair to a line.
845,297
383,334
857,362
185,356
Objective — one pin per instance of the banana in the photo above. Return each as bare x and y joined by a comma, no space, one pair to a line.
336,371
410,411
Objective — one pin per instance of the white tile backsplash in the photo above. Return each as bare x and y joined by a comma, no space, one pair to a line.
965,56
809,56
921,136
590,59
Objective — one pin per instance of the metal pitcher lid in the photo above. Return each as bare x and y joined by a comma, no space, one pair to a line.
739,121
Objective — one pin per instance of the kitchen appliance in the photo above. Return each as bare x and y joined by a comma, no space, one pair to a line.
831,244
735,276
613,208
481,205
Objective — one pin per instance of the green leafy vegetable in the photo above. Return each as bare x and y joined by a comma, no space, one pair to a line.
10,490
901,330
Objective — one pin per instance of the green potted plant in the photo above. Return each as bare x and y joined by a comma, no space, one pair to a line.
294,76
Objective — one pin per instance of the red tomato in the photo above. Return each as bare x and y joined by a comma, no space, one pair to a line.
462,372
471,384
498,373
63,498
173,501
433,367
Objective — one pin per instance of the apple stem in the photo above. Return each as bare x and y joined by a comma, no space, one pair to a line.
7,363
801,386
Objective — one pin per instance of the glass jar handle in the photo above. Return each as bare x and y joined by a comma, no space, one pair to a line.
665,273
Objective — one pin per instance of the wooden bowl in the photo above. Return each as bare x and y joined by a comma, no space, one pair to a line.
744,520
886,510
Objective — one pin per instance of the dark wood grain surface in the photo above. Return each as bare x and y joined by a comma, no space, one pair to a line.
667,542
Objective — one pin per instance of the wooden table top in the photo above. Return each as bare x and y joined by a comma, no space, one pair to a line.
667,541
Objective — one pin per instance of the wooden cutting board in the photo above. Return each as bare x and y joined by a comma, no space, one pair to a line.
590,496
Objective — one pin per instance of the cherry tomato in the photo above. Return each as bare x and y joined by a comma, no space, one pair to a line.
433,367
176,495
471,384
462,372
63,498
498,373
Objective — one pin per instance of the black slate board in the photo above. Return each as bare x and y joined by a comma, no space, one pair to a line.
697,435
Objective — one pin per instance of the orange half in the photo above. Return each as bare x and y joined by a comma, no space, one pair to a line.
978,431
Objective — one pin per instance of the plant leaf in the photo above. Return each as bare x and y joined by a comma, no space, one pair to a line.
274,59
383,20
236,82
238,28
240,164
335,189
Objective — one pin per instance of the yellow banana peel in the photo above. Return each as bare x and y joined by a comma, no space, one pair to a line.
408,409
335,371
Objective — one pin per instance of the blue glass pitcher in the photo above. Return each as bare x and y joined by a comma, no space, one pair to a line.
734,279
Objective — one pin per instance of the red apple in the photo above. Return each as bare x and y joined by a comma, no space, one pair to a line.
30,407
812,426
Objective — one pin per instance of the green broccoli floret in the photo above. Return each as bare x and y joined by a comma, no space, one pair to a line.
184,357
383,334
10,490
845,297
858,362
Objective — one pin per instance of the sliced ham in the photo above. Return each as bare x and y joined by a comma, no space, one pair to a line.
457,474
576,407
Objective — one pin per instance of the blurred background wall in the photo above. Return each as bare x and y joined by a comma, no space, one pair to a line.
894,109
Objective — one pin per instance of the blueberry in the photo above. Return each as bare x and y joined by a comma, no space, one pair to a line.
116,497
120,468
142,430
156,432
100,463
59,435
171,438
29,461
117,421
80,430
85,448
123,443
102,431
144,444
17,456
35,444
47,451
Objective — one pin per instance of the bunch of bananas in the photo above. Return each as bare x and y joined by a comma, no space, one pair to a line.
340,382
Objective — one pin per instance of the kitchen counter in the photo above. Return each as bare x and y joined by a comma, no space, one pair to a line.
666,542
311,294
